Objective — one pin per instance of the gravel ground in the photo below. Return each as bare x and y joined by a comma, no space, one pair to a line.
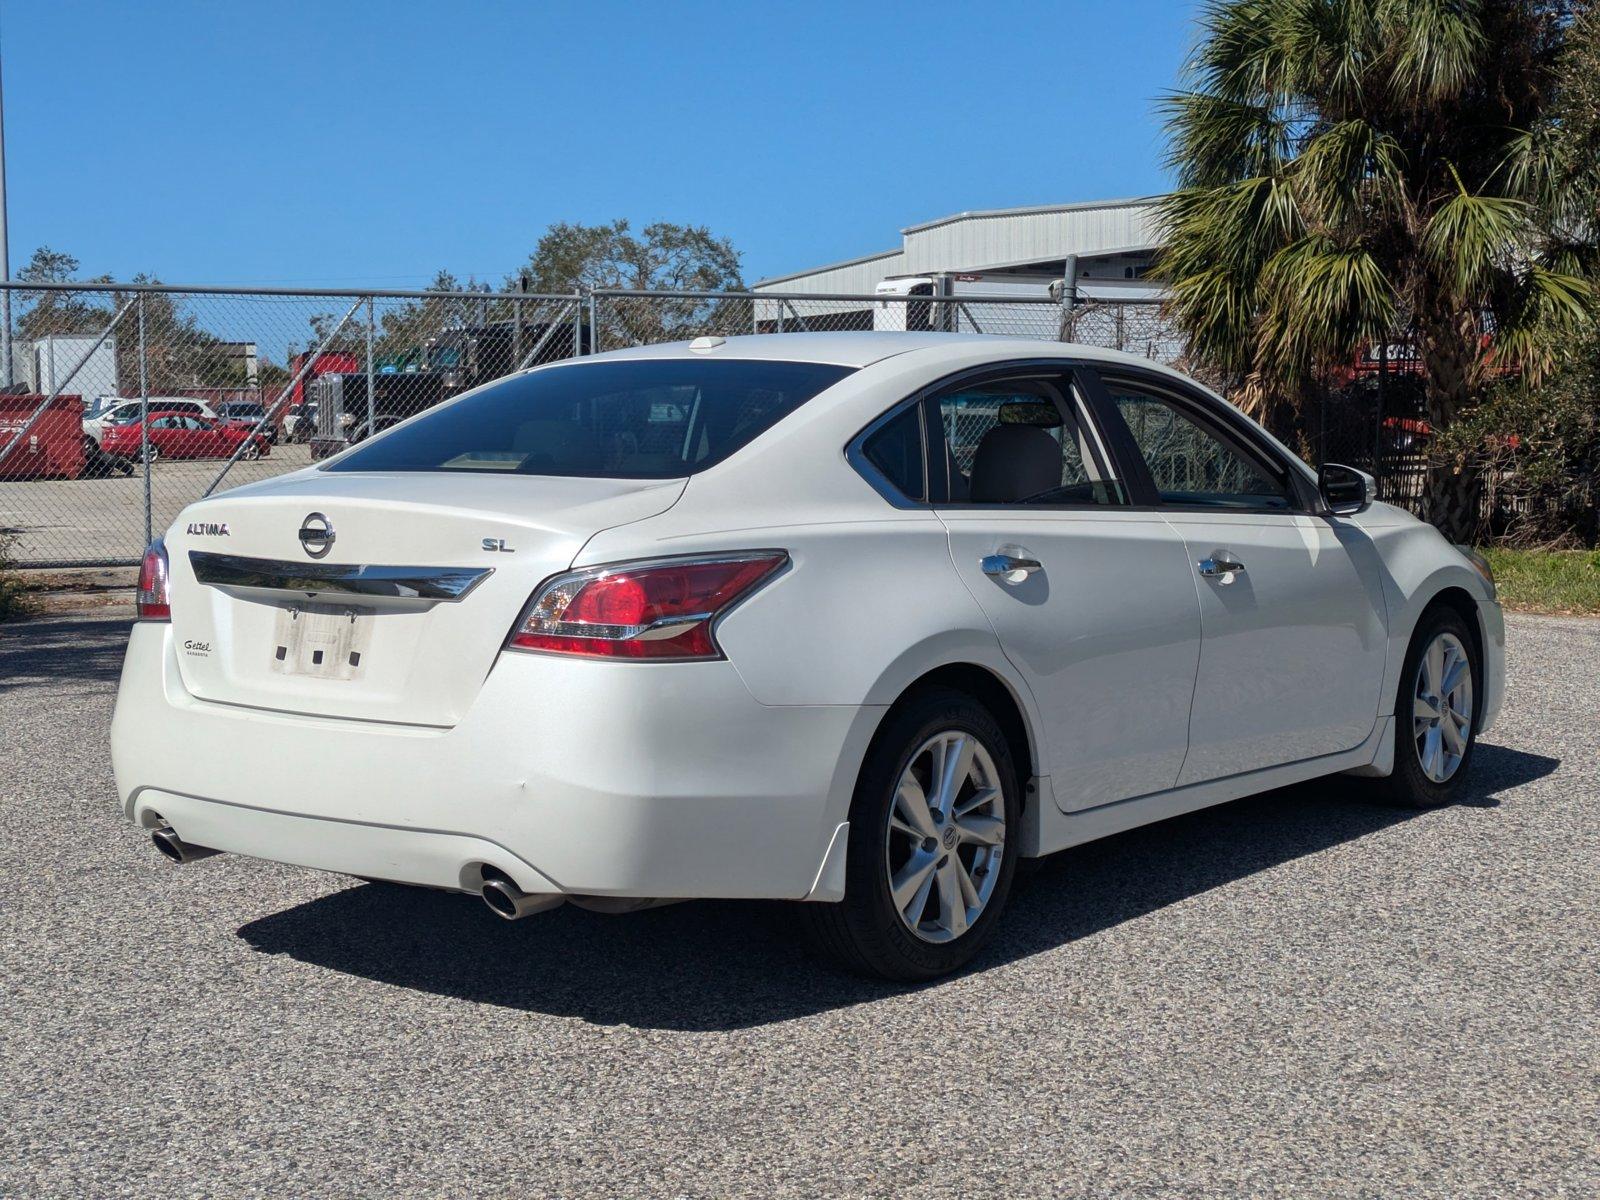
1298,994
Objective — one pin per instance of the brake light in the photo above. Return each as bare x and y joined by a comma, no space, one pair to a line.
662,608
154,599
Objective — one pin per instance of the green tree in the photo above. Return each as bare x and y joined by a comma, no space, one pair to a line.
664,258
404,328
1350,169
46,313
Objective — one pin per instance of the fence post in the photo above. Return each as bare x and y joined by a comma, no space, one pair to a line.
594,327
1377,425
577,324
5,328
144,427
288,390
370,332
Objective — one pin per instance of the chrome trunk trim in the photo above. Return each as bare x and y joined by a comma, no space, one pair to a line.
270,578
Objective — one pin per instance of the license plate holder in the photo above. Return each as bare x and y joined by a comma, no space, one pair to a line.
321,642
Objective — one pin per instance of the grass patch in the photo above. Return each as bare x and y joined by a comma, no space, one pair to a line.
14,598
1547,581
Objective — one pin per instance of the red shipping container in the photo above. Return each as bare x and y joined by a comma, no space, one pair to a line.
52,449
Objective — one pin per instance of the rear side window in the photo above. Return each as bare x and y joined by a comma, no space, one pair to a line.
633,419
895,449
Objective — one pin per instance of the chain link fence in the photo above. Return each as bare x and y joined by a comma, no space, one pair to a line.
124,404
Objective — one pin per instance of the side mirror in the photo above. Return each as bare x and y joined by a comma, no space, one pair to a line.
1345,490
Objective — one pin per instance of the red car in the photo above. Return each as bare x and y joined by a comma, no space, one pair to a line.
183,435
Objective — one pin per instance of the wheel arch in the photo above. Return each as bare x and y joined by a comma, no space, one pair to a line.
996,694
1463,604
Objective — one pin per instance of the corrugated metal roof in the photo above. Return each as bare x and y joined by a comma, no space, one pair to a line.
1035,210
843,276
989,239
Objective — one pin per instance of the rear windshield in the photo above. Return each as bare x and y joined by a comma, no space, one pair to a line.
634,419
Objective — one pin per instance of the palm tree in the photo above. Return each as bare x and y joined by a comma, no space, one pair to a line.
1354,170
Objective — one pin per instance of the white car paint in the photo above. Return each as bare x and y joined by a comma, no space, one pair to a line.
1145,691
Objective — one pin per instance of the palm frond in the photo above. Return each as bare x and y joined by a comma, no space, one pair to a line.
1470,237
1437,45
1538,317
1326,300
1348,165
1216,140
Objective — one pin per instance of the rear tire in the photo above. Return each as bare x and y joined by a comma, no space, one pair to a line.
1435,713
951,861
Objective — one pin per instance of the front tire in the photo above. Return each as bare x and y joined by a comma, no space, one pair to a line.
934,829
1436,710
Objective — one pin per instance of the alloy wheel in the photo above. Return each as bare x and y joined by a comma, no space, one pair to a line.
945,836
1441,709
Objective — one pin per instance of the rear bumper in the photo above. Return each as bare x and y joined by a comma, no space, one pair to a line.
594,778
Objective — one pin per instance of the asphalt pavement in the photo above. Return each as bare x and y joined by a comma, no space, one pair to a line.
1299,994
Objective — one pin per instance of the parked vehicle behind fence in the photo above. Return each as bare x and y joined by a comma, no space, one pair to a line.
248,414
182,435
126,412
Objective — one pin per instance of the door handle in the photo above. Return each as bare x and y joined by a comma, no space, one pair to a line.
1009,567
1220,565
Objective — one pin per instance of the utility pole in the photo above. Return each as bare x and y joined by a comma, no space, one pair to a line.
5,260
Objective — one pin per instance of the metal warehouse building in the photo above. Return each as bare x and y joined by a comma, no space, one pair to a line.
1064,272
1104,247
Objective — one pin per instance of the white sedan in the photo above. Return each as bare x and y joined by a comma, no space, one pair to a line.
859,620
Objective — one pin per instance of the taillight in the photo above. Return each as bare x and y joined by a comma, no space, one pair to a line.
154,599
662,608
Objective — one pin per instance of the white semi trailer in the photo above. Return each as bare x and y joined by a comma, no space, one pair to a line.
70,362
933,302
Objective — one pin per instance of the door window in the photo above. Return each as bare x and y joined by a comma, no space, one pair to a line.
1022,441
1189,462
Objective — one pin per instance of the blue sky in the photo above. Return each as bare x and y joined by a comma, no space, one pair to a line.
346,143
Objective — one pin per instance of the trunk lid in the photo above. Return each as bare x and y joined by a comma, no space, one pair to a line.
401,616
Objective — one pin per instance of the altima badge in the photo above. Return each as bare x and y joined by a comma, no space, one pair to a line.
316,535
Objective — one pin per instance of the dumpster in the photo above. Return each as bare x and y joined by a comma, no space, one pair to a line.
52,449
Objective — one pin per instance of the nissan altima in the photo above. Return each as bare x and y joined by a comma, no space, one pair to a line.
860,621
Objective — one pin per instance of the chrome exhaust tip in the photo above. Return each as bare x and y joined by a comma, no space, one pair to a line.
506,899
178,850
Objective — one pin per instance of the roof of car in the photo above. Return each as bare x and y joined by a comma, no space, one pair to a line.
860,349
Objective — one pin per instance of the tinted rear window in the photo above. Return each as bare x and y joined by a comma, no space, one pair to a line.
639,419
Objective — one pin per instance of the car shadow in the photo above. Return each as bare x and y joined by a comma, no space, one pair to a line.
720,965
65,649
